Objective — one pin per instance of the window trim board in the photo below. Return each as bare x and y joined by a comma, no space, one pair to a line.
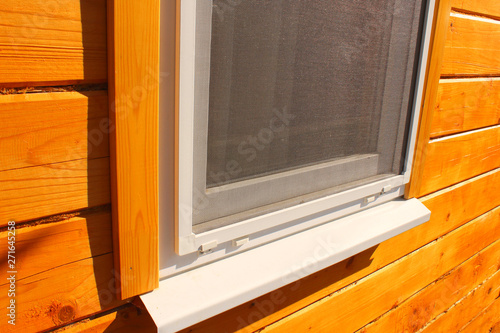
133,76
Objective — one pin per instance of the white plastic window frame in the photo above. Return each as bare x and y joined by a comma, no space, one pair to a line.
295,218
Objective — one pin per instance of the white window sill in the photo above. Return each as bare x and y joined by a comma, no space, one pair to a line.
196,295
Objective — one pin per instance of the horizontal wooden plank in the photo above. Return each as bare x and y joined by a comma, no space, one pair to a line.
353,307
466,104
450,208
32,193
460,203
487,321
468,307
485,7
52,42
460,157
472,46
38,129
61,295
416,312
43,247
128,320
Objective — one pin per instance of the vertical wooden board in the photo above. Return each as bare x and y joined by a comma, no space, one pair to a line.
52,42
356,305
468,307
485,7
45,128
61,295
40,248
450,209
472,46
32,193
134,100
430,302
457,158
433,74
466,104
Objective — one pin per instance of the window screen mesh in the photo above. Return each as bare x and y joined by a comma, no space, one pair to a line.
295,83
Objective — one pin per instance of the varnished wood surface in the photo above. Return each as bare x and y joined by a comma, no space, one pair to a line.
467,308
45,128
482,7
466,104
133,28
128,320
52,42
456,158
487,320
36,192
471,48
479,273
43,247
62,294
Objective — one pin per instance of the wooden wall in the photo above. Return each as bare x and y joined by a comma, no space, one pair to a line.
54,167
444,275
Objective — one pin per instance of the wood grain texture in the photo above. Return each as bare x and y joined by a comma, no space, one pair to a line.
433,74
487,321
32,193
466,104
468,307
454,203
472,46
355,306
134,100
128,320
45,128
52,42
44,247
62,294
450,208
485,7
420,309
457,158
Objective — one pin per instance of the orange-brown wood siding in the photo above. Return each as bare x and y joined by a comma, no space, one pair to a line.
55,168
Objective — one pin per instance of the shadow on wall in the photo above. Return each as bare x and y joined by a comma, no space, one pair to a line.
297,294
94,41
115,316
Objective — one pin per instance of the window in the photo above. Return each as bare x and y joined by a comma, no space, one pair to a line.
289,105
295,98
295,127
291,114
